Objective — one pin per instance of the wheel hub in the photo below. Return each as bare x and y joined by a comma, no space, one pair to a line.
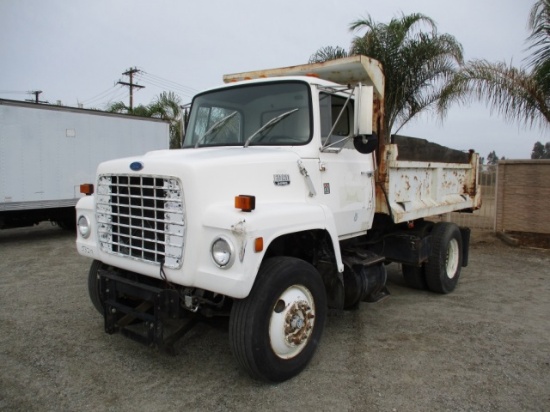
298,323
292,322
452,258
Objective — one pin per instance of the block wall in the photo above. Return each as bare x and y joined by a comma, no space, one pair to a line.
523,196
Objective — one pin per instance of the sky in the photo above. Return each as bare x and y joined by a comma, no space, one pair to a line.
75,51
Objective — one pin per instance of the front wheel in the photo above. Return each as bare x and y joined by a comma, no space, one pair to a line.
274,332
445,260
93,285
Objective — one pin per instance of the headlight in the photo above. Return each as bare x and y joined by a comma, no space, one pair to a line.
84,227
222,252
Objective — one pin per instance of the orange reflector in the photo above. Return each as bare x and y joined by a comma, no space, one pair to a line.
246,203
312,75
258,244
87,189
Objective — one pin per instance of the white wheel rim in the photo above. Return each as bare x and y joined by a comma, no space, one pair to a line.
291,322
451,261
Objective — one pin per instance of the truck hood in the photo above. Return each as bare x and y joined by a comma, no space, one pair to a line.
224,155
218,174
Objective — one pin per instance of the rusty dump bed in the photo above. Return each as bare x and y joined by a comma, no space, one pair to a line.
415,178
410,189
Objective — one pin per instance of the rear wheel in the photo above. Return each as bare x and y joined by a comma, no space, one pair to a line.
274,332
415,276
445,260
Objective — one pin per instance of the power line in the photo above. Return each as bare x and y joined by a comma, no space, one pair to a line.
116,96
13,92
102,95
165,87
172,84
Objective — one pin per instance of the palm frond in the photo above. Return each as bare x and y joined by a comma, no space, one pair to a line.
328,53
417,63
512,92
117,107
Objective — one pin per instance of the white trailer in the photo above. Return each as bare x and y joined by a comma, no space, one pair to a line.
47,151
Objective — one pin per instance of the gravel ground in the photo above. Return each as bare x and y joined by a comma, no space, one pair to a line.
485,347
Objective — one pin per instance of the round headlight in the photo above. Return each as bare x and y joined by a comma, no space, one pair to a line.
84,227
222,252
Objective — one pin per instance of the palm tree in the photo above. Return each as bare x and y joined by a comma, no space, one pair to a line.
328,53
120,107
166,106
417,64
519,94
539,24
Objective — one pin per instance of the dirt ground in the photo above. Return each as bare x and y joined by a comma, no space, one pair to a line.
485,347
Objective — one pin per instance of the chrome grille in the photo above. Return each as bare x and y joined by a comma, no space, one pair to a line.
141,217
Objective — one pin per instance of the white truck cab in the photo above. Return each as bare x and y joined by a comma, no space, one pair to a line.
282,204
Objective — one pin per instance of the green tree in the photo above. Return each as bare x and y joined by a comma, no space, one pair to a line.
120,107
328,53
166,106
418,63
539,24
518,94
492,158
541,151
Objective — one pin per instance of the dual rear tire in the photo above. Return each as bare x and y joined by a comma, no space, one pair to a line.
441,272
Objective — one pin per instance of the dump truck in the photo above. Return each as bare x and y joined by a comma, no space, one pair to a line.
47,151
284,205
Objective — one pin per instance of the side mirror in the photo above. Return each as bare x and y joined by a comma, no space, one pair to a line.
365,144
364,97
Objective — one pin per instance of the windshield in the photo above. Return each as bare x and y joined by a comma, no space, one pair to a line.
275,113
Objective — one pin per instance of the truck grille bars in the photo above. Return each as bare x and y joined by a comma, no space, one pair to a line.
141,217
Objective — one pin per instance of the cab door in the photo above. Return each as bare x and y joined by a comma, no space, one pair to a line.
347,176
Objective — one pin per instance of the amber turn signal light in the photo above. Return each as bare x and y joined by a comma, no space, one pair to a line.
258,244
87,189
246,203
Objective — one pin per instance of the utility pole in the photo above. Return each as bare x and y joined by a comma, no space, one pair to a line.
36,98
130,73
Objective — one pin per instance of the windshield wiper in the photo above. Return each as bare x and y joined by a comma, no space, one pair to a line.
215,127
269,125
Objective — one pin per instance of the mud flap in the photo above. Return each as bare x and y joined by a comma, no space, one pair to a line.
465,233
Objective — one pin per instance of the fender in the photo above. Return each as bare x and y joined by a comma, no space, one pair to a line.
273,220
269,221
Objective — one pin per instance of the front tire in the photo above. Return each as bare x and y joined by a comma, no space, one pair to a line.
445,260
93,285
274,332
